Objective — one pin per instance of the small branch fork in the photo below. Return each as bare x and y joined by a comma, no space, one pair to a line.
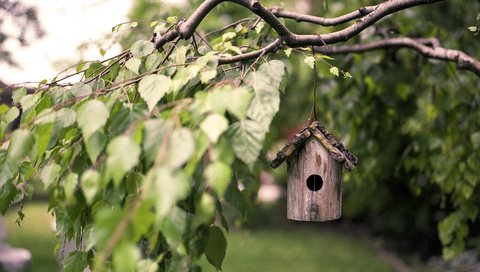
364,16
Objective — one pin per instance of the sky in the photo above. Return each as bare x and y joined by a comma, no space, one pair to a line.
67,25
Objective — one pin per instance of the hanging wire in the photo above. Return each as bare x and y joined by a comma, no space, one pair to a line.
313,113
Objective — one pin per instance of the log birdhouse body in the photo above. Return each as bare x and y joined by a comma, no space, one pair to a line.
315,160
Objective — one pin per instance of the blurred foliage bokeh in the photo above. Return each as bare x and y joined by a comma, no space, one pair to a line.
413,122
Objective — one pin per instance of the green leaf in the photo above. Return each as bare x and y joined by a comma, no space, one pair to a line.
259,26
181,147
46,117
216,100
180,55
133,65
229,46
475,138
8,170
95,144
11,114
20,144
172,19
213,126
81,90
91,184
218,175
153,61
80,67
174,226
70,186
204,211
155,133
29,100
142,48
183,76
60,94
247,137
152,88
8,192
91,117
63,117
335,71
169,187
239,102
310,60
3,108
228,36
125,257
43,133
207,75
76,261
50,174
326,57
123,154
17,94
216,247
266,83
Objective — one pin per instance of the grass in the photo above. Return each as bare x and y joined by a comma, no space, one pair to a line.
305,249
292,249
35,235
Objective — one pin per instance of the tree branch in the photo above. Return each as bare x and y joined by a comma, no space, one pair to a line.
185,29
429,48
368,16
299,17
379,12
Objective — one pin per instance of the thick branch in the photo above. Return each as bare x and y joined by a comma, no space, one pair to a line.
427,47
186,28
299,17
380,11
368,16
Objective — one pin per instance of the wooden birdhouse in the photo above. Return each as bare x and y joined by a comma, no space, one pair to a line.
314,164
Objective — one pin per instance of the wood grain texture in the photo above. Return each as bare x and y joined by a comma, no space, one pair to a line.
304,204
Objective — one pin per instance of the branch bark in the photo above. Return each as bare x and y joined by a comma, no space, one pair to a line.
299,17
429,48
366,16
185,29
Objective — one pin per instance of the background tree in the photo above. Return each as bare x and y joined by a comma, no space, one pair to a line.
19,16
140,156
26,27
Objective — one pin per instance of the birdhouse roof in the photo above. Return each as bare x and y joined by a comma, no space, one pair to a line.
335,148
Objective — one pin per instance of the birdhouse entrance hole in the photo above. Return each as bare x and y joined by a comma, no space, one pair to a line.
314,182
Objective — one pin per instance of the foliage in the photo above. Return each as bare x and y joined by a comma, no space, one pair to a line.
138,157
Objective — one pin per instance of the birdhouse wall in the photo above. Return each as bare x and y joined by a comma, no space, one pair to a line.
314,204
